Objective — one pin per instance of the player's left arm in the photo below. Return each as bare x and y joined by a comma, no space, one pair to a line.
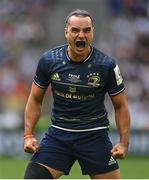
122,118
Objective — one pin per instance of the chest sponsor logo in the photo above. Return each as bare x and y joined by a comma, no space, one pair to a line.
75,78
93,79
74,96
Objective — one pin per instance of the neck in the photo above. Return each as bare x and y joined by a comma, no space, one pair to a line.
78,57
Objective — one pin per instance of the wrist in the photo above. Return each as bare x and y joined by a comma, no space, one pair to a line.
28,136
124,144
124,141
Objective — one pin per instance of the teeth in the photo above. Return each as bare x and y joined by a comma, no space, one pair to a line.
80,43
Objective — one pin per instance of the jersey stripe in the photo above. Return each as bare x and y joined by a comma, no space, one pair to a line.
80,130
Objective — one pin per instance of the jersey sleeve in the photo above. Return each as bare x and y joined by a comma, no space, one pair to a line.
42,76
115,83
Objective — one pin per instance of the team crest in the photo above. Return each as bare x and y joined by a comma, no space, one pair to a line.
94,79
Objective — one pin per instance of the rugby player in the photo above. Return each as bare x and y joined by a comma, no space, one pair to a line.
80,75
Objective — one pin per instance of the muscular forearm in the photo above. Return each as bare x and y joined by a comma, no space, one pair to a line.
32,114
122,118
123,124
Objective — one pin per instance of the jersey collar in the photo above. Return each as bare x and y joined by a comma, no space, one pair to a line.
86,59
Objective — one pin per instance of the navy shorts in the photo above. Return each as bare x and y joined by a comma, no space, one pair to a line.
59,149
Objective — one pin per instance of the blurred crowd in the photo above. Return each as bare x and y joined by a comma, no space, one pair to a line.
25,34
126,37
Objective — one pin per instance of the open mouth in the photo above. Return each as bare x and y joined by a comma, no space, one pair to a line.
80,44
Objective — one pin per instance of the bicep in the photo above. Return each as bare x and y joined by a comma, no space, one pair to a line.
119,100
122,115
37,93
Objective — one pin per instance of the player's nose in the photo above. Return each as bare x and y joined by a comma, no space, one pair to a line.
81,34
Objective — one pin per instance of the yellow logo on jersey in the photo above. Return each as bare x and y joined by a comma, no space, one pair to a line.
94,79
72,89
55,77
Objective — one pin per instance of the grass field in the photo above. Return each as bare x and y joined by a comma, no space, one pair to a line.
131,168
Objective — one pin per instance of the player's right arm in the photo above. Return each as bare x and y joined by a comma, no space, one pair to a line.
32,114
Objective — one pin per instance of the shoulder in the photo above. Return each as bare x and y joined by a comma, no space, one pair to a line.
104,59
54,54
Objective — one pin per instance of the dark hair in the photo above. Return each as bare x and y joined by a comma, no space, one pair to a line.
79,13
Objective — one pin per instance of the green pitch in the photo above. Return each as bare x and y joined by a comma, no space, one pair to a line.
131,168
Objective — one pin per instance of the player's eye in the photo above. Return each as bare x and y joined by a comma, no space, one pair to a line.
87,30
75,30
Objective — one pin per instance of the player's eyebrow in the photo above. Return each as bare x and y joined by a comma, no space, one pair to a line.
75,29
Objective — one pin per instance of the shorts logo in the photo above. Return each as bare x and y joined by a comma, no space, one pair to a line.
111,161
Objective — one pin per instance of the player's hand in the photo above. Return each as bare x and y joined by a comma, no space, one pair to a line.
119,151
30,144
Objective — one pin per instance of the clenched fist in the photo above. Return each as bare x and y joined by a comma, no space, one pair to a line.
30,144
119,151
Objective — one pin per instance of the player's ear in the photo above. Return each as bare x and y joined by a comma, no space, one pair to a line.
65,31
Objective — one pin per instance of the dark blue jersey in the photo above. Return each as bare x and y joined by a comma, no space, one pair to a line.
79,88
